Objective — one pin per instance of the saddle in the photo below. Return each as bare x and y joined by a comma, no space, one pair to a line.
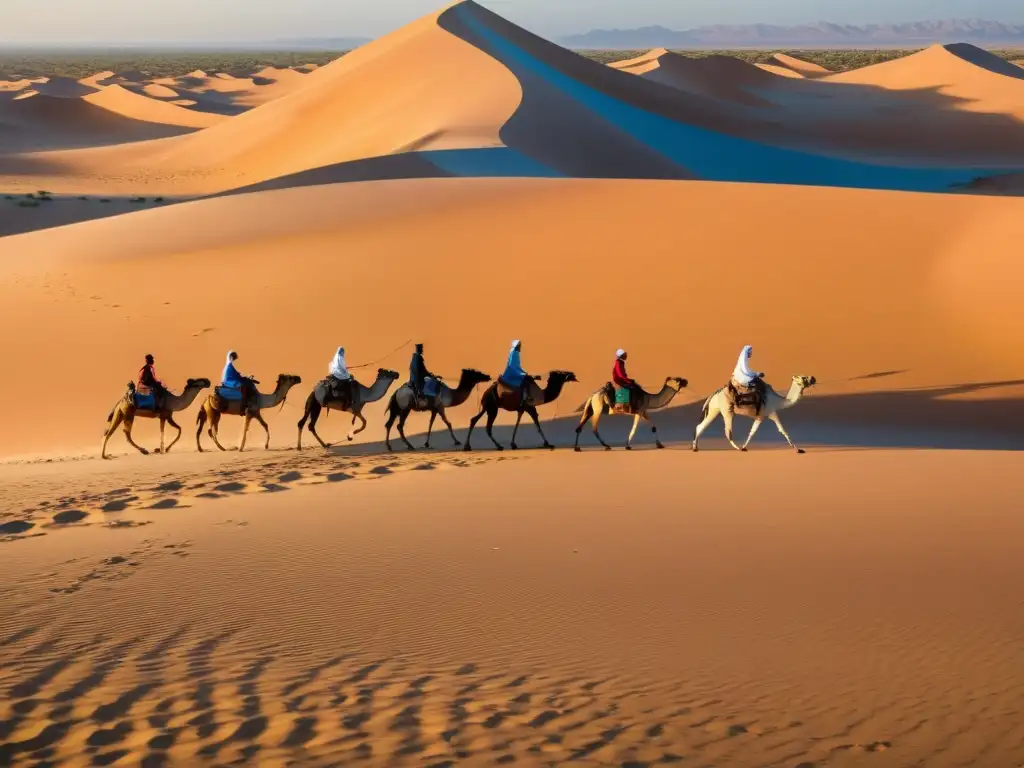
229,394
623,399
337,393
510,396
752,396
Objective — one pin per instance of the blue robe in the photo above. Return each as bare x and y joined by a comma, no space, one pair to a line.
514,374
231,377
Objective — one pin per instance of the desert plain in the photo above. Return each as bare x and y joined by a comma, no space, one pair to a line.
462,183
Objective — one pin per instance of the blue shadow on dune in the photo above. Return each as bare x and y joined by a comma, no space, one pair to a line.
716,156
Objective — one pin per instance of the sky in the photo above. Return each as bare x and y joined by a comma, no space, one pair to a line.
182,21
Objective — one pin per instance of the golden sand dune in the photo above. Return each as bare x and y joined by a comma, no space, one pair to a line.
119,101
38,121
717,77
100,79
777,69
938,315
15,85
158,91
801,67
974,79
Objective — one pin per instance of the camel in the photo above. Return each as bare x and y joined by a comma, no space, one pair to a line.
501,396
403,403
214,407
125,412
603,401
720,403
319,399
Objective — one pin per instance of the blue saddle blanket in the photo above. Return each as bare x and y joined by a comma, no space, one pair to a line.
229,393
145,402
431,387
621,396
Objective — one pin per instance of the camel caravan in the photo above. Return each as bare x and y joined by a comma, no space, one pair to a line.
515,391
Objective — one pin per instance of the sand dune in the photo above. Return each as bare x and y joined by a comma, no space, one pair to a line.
934,315
803,68
119,101
780,70
64,88
100,79
977,80
716,77
37,121
157,91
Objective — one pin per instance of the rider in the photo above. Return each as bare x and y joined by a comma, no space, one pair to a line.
418,372
148,379
340,379
621,378
232,379
750,380
514,375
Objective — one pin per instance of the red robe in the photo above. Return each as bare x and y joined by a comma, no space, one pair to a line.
619,375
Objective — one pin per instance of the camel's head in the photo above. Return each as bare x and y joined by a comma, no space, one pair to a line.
676,382
805,382
563,375
475,377
288,380
197,384
384,373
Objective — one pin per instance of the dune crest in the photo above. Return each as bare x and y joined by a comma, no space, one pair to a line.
803,68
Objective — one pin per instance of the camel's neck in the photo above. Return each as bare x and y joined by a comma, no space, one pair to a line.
182,401
553,388
451,398
375,391
663,398
274,398
793,396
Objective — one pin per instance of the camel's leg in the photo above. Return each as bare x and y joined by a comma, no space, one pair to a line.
115,422
519,416
314,415
654,430
392,415
536,422
588,411
727,415
472,423
451,431
259,417
430,427
200,423
401,430
629,440
708,421
492,414
598,413
753,431
245,431
214,429
127,426
778,423
173,423
357,415
163,422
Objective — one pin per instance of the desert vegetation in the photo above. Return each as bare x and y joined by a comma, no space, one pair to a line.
78,64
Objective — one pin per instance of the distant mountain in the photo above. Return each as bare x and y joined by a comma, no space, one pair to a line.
819,35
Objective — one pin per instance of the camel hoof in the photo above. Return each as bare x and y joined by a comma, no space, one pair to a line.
660,446
457,442
144,452
549,446
426,447
350,438
514,447
607,447
467,448
743,450
578,449
695,449
502,449
629,447
800,450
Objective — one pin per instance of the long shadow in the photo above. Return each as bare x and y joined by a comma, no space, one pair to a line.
936,418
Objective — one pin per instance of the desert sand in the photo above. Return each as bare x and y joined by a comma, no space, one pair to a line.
462,183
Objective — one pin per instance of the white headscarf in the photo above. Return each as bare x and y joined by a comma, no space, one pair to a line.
742,372
338,369
619,352
227,360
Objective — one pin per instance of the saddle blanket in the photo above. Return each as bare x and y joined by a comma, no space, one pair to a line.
621,396
145,401
229,393
431,387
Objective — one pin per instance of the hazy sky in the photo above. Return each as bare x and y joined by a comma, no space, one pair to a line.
137,21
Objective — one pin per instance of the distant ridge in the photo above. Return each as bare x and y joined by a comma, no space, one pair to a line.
820,34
